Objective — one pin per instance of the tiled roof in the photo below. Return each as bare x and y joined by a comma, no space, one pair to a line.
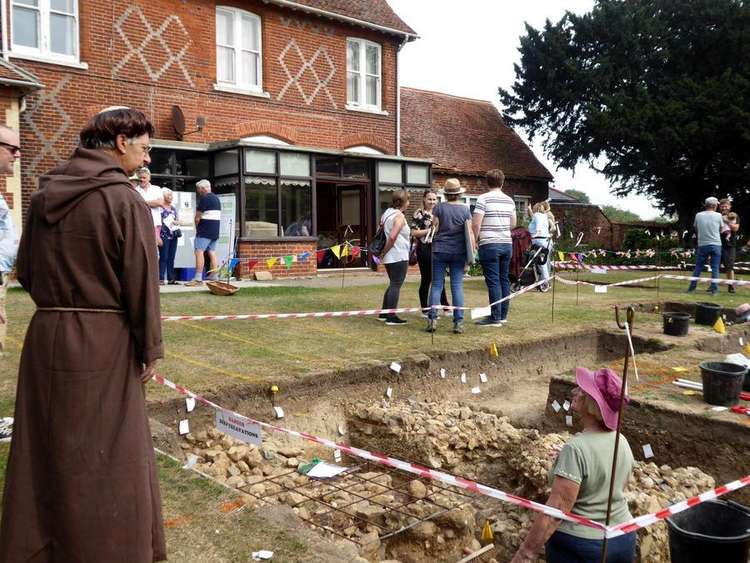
559,196
376,12
463,135
12,75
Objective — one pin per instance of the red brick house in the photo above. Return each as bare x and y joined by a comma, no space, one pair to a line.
465,138
292,106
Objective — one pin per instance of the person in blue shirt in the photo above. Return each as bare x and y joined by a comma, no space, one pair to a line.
207,221
10,151
539,228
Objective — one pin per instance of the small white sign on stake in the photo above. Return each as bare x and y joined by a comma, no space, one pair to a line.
342,430
480,312
648,451
184,427
190,403
279,412
239,428
600,289
569,420
389,392
566,406
463,377
483,377
476,390
337,456
395,366
556,406
442,373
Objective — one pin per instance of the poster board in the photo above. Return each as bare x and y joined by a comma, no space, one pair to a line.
184,203
225,244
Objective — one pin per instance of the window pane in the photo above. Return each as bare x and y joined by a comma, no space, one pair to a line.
327,166
389,172
352,87
191,163
59,5
249,68
62,34
355,167
296,208
260,161
25,27
250,33
224,28
294,164
417,174
225,64
372,84
373,59
261,212
226,162
161,161
352,55
27,2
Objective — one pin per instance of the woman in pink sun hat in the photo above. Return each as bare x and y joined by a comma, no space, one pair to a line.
580,479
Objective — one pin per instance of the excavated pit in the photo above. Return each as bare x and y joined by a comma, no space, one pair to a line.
505,436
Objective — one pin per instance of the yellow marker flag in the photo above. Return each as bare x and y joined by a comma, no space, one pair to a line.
488,535
336,251
746,349
270,262
719,326
493,350
561,256
345,250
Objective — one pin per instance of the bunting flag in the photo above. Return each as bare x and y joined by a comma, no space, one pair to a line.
376,259
746,348
356,250
561,255
345,250
493,350
288,261
336,251
320,254
270,262
233,264
251,264
304,256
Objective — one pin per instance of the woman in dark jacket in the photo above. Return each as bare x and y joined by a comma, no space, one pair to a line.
423,230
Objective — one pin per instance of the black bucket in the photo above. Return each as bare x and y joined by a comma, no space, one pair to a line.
715,530
722,382
706,313
676,324
746,385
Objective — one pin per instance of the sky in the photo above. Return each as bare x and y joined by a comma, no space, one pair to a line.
468,48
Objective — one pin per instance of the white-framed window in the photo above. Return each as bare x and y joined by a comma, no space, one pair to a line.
522,204
363,73
45,28
238,49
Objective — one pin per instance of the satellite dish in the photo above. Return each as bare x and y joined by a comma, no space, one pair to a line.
178,122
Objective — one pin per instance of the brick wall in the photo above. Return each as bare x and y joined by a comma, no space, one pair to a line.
10,186
262,251
597,229
475,184
153,55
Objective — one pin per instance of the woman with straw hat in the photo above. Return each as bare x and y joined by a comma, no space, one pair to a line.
580,479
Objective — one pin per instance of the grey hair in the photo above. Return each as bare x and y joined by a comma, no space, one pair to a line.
143,170
203,184
165,192
592,407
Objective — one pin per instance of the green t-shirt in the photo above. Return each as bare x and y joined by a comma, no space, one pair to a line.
587,460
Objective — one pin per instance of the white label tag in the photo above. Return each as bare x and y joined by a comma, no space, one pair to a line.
556,406
279,412
476,390
342,430
598,270
483,377
480,312
648,452
190,404
742,342
463,377
239,428
566,406
337,456
442,373
569,420
395,366
388,392
191,461
184,427
600,289
719,409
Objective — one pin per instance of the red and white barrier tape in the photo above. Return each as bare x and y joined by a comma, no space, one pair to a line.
330,314
617,284
579,266
713,280
648,519
413,468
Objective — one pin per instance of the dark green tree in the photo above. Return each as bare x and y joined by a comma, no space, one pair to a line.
655,94
579,195
619,215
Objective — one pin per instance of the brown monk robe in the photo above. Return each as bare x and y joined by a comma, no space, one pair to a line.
81,484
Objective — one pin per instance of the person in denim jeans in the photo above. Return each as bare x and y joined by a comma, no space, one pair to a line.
708,224
494,217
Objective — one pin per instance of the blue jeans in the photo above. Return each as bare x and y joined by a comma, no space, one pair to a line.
456,262
543,270
704,253
495,260
565,548
167,251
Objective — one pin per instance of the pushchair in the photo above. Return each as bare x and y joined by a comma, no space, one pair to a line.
534,259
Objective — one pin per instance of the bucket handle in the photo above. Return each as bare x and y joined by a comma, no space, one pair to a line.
738,506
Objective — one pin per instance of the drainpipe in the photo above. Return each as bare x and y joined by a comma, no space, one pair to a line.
3,28
398,97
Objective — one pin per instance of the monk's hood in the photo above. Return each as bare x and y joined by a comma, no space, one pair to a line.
65,186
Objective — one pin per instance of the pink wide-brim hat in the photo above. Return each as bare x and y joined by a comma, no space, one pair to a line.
604,386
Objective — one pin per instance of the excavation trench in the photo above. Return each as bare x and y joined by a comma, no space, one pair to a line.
505,436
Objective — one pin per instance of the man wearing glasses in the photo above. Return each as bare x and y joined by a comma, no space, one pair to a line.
152,195
9,153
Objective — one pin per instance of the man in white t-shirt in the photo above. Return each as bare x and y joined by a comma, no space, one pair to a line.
154,199
494,217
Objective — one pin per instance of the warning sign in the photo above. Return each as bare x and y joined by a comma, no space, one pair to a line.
238,428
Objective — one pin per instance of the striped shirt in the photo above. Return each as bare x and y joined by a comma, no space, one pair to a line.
497,209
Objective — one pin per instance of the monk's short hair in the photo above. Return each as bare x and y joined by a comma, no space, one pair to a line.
495,178
102,130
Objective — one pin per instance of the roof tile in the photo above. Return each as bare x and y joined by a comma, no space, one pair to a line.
373,11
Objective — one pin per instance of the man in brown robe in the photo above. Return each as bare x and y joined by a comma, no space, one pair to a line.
81,484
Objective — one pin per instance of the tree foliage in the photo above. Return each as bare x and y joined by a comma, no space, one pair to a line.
619,215
582,197
659,90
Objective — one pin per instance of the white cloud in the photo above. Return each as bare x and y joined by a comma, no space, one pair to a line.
468,48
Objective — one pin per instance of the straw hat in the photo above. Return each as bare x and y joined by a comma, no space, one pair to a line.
453,187
604,387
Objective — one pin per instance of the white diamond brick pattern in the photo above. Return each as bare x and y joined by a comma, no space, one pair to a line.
295,68
172,53
42,102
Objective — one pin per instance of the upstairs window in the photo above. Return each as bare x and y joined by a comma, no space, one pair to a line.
363,74
45,28
238,49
